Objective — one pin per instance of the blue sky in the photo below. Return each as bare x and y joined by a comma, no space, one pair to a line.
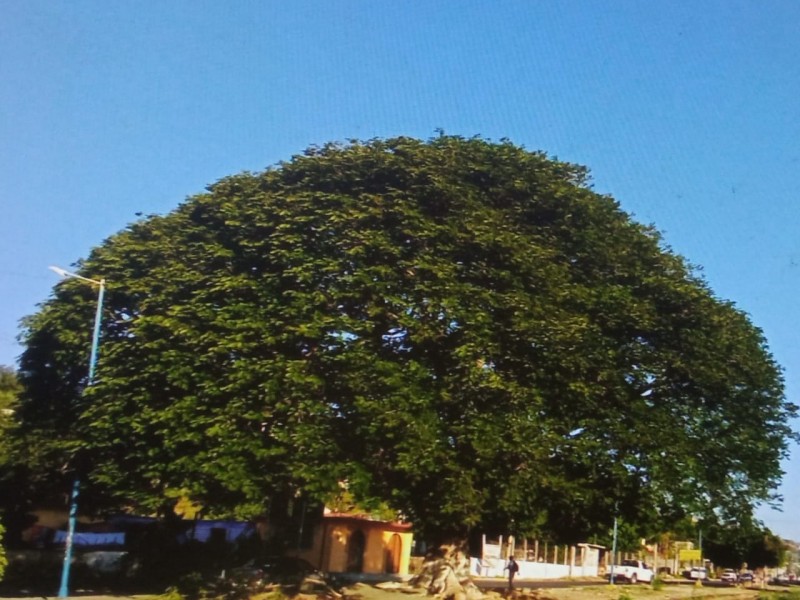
687,113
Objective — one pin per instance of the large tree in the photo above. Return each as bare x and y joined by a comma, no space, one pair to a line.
9,389
744,543
459,328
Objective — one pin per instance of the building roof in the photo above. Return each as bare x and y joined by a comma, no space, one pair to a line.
366,518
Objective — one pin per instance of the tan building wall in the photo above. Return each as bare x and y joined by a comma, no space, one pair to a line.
347,544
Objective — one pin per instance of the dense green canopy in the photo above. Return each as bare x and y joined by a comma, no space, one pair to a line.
459,328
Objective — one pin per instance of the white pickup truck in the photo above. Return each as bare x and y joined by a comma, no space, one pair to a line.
632,571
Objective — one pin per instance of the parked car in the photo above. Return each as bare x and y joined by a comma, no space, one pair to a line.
729,576
633,571
697,573
746,577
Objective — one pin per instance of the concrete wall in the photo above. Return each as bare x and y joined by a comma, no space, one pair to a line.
494,567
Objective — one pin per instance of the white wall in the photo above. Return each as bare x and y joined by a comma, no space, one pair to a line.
493,567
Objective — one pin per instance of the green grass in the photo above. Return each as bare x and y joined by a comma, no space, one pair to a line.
781,595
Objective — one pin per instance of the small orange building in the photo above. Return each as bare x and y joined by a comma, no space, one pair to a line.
347,543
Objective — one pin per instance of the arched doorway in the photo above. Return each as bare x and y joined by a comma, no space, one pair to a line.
392,554
356,544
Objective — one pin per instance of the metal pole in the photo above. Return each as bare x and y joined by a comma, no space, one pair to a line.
613,550
98,317
63,591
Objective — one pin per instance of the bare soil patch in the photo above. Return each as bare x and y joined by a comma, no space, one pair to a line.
640,592
594,592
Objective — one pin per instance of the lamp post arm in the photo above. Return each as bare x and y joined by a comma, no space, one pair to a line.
69,275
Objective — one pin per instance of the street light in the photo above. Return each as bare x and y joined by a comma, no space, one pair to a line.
63,591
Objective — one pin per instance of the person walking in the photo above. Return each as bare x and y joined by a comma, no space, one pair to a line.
512,567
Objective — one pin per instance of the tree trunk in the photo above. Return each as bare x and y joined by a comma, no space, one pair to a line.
445,573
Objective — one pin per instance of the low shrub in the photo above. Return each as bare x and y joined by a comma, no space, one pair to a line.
657,583
3,560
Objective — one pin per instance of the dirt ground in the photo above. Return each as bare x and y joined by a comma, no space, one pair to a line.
645,592
593,592
363,591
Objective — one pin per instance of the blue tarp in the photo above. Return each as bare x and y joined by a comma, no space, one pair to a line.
201,530
112,538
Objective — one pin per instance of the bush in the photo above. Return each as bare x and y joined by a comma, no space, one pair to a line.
3,559
657,583
190,585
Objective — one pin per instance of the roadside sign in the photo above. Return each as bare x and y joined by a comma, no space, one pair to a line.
690,554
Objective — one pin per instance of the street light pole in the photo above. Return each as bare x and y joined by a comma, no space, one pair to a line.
63,591
613,549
